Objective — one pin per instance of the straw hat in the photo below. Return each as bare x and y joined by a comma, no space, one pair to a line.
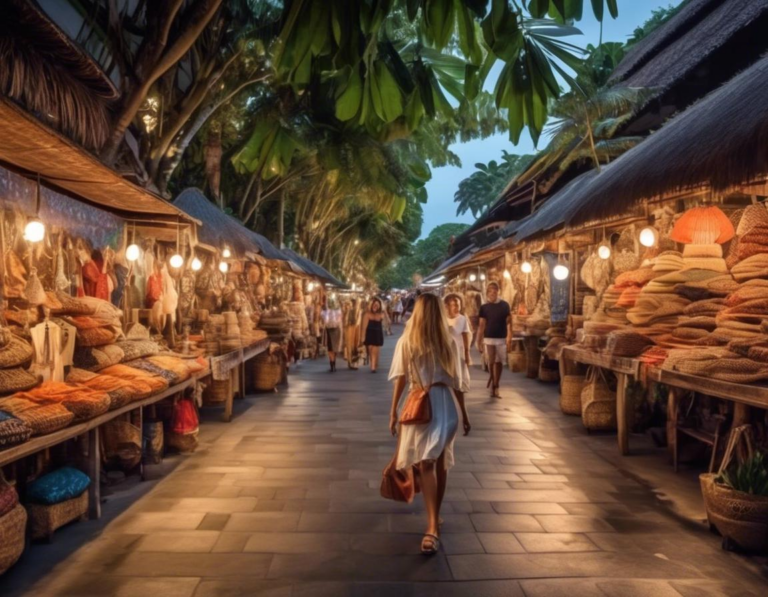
15,353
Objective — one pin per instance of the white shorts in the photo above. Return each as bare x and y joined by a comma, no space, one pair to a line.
500,344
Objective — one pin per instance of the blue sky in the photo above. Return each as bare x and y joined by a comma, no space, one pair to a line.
440,208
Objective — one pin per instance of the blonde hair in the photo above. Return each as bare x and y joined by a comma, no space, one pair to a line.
427,334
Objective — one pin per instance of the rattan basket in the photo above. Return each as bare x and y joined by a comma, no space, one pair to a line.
570,394
44,519
548,370
267,372
218,391
516,361
122,440
598,403
182,442
739,517
12,527
153,442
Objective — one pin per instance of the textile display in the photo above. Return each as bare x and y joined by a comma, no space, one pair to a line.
58,486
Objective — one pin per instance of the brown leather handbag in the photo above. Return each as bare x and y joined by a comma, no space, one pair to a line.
400,486
418,408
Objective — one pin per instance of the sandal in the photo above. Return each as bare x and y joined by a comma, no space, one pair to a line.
430,544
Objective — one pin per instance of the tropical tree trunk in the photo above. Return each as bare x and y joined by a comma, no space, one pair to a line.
155,57
281,220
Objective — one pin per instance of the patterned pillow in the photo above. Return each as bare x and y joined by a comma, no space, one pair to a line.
59,486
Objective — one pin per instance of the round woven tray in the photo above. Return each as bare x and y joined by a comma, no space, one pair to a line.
570,394
740,517
12,527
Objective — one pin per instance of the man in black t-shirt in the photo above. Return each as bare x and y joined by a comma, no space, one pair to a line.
494,335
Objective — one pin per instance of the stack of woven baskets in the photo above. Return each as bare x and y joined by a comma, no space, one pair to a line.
15,356
276,324
13,523
230,338
598,402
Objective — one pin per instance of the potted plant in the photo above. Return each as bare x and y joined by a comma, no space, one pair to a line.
736,498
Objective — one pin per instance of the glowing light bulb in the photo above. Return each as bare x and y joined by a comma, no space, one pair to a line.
226,253
34,231
526,267
223,267
472,277
604,252
196,265
560,272
507,275
482,276
176,261
648,237
310,286
132,253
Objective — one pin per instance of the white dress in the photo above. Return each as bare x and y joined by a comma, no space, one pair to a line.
427,442
459,325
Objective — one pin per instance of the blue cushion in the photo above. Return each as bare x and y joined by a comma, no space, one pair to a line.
59,486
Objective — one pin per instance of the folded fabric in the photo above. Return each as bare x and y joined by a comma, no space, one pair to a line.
749,249
755,266
121,391
156,382
146,365
742,346
12,430
182,367
95,337
706,307
15,353
84,322
716,363
625,343
40,418
136,331
16,379
84,403
686,275
137,349
692,292
744,294
58,486
628,297
686,333
701,322
635,277
714,264
97,358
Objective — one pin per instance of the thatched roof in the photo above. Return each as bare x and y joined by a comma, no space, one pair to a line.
36,149
719,142
653,44
51,76
313,269
556,211
682,51
219,229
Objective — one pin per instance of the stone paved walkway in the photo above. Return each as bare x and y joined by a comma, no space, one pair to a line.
283,501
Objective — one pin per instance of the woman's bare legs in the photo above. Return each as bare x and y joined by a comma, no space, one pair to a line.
442,481
429,489
374,354
332,360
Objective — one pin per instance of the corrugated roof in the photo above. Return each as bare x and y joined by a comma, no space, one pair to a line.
313,269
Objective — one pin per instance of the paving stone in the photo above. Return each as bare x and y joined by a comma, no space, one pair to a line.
489,523
500,543
358,566
183,542
194,564
296,542
573,524
263,521
555,542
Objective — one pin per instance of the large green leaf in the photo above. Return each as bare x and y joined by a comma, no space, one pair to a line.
348,102
391,95
467,35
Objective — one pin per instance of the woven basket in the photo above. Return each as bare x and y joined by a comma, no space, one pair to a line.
267,372
548,370
182,442
740,517
570,394
598,403
12,527
44,519
153,442
122,440
516,361
218,391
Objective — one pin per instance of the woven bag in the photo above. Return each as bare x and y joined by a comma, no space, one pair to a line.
13,431
91,337
16,380
97,358
12,528
122,440
137,349
623,343
72,306
598,402
47,418
16,353
8,496
34,292
571,388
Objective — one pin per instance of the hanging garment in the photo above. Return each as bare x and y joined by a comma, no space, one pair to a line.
154,289
121,275
95,281
47,342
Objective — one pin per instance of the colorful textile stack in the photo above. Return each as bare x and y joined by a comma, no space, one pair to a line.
156,382
626,343
97,358
84,403
668,261
704,257
40,418
750,268
752,233
121,391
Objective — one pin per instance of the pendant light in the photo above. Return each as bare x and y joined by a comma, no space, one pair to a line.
560,271
133,252
177,260
223,267
648,236
472,277
34,231
604,250
226,253
196,264
507,275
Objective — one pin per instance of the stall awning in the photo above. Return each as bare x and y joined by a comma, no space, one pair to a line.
220,229
32,147
313,269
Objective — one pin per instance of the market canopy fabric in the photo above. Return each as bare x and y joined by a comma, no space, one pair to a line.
313,269
219,229
33,147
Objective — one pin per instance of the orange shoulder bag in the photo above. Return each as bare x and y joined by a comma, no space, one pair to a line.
418,408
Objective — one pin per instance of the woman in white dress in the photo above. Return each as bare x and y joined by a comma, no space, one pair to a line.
461,333
428,355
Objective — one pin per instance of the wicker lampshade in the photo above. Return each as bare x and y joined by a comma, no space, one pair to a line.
703,225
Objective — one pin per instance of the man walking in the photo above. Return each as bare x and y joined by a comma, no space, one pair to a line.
494,334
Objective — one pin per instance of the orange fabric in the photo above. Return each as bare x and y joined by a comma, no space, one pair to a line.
95,283
157,383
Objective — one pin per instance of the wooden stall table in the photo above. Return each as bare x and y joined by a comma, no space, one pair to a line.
624,368
532,354
90,432
744,397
